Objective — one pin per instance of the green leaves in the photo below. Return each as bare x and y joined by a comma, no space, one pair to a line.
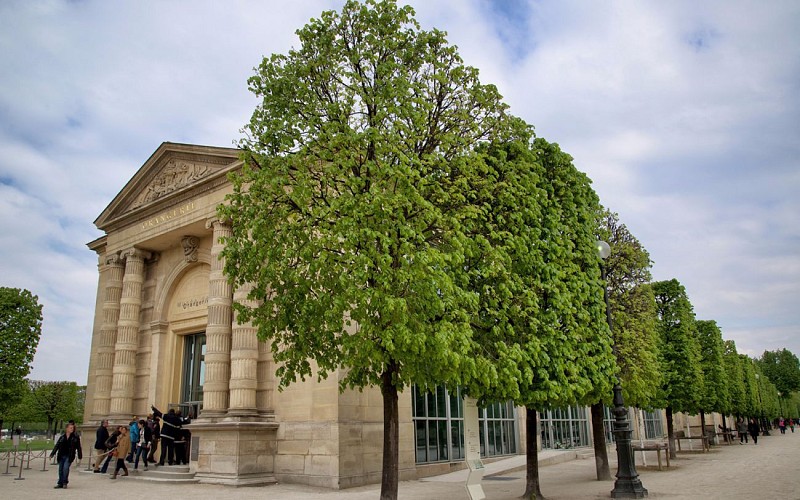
20,329
633,313
349,219
679,348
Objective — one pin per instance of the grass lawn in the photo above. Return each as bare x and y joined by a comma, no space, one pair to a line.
35,444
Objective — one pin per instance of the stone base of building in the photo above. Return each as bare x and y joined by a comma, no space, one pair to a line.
234,451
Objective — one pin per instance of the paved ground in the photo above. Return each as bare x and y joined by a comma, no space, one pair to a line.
768,471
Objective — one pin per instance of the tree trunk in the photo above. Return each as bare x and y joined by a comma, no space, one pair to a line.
702,424
599,438
533,490
391,435
670,433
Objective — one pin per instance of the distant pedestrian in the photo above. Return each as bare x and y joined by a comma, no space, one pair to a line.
741,428
753,428
782,425
100,444
67,446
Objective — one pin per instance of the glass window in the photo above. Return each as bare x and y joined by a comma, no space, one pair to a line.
564,428
439,426
653,425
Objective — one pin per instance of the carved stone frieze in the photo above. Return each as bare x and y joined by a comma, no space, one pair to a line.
176,174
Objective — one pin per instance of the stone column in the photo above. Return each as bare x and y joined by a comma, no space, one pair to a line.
244,361
124,371
266,380
112,270
218,329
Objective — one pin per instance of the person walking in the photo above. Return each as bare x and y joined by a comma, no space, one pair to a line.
65,449
111,445
123,448
753,428
101,436
133,432
155,428
741,428
143,446
782,425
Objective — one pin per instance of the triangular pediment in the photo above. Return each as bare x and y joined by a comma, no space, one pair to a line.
172,171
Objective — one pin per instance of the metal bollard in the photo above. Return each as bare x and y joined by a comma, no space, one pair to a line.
16,450
44,461
29,458
8,462
20,478
89,462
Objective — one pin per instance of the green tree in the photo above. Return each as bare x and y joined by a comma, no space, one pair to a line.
679,353
347,216
753,404
715,397
53,402
783,369
20,329
735,381
533,261
633,326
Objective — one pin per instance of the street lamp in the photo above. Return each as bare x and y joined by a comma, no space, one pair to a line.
628,484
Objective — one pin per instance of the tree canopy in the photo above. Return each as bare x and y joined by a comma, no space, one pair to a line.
633,311
715,397
348,214
735,380
679,349
20,329
783,369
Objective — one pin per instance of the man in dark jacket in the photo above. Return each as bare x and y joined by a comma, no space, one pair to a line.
100,444
65,449
170,431
155,426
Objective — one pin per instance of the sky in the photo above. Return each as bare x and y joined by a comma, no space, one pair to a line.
686,116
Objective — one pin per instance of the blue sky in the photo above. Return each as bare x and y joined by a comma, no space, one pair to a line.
686,115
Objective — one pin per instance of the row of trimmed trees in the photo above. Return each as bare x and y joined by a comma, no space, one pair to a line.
395,225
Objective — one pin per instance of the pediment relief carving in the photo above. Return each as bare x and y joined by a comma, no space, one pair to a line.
176,174
171,174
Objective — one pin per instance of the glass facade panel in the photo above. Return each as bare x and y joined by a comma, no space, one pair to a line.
563,428
439,426
653,424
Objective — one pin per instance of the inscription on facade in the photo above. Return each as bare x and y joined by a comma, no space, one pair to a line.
192,303
168,215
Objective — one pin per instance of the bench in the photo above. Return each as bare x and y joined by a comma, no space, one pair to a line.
728,436
656,447
705,443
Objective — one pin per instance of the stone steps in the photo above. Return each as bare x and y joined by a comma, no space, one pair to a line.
166,474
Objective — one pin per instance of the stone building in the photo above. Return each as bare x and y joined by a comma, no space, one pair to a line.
164,334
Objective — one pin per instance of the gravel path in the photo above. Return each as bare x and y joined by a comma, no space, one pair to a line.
767,471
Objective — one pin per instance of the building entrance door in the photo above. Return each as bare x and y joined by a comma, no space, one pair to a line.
194,374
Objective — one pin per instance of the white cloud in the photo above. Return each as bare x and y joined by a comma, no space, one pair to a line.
684,115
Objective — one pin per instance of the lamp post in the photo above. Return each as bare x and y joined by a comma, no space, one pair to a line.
628,484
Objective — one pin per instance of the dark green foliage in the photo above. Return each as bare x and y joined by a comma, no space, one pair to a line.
679,349
20,329
715,397
735,380
783,369
633,312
